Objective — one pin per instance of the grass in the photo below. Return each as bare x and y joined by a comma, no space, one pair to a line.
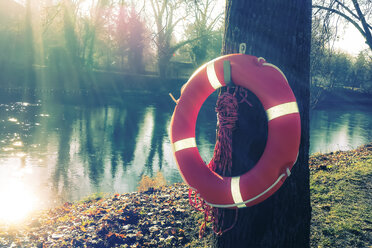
94,197
341,196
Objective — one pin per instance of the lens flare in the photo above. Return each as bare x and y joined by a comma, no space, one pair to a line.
17,202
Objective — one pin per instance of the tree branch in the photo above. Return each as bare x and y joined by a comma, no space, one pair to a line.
347,9
364,23
344,16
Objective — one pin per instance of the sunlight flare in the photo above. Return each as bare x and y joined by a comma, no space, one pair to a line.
17,202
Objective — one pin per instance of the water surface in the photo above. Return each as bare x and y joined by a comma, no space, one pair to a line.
332,129
53,152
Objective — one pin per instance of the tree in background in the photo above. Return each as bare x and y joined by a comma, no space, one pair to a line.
321,50
336,70
52,32
16,44
362,71
167,15
122,33
330,68
99,32
29,49
340,68
131,33
208,40
318,56
73,35
165,22
136,41
69,23
279,31
356,12
368,87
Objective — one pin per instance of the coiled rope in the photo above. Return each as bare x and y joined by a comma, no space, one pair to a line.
227,115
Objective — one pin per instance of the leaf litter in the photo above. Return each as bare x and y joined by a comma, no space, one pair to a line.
341,199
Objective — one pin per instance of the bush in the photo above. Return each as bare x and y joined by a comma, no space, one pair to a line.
148,183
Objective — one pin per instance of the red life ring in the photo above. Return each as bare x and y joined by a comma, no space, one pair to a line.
270,85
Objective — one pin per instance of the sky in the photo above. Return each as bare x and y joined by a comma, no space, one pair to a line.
351,41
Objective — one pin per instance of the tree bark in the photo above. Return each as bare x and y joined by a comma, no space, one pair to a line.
365,25
279,31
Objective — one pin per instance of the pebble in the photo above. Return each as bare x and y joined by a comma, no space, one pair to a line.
154,229
57,236
169,239
127,227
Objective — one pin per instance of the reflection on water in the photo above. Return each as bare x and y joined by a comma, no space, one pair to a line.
332,130
51,153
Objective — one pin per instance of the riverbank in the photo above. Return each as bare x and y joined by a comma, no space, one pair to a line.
48,81
341,196
340,98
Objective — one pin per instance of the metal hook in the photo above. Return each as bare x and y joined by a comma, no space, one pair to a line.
242,48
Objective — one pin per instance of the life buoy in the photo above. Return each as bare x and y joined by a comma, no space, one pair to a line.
271,87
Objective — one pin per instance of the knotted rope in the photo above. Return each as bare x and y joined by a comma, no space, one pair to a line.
227,115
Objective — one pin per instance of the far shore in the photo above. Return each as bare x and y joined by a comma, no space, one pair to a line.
105,84
343,98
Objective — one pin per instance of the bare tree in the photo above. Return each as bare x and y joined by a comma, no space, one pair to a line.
167,16
356,12
165,21
203,28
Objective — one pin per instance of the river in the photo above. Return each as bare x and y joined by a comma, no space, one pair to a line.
52,152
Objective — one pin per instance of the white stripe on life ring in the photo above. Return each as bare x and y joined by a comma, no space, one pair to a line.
235,192
212,76
184,144
281,110
249,200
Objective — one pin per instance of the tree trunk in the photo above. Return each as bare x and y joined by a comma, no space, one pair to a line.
279,31
365,25
163,64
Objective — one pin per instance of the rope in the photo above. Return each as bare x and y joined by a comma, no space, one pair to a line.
227,115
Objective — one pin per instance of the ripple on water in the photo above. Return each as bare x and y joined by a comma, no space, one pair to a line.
12,119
